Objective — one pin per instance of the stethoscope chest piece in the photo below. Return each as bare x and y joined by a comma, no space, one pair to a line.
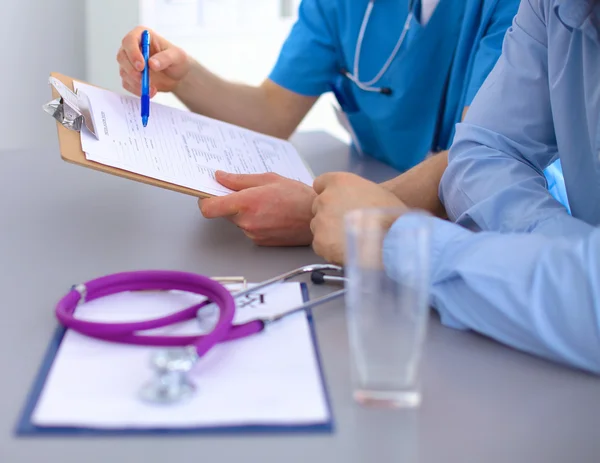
171,383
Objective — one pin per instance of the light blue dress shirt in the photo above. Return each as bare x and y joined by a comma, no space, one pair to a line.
436,73
518,267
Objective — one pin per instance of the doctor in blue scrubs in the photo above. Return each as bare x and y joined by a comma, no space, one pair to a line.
403,73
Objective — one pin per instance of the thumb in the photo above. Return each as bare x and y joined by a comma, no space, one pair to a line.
167,58
238,182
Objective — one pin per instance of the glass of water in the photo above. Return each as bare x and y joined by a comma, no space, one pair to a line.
387,304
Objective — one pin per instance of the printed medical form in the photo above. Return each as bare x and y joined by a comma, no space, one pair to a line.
179,146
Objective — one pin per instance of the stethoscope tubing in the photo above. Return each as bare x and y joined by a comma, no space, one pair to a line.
152,281
355,75
216,293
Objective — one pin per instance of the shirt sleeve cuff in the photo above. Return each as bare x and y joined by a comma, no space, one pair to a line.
441,234
295,82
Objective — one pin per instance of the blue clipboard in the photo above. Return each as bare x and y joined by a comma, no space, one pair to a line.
26,428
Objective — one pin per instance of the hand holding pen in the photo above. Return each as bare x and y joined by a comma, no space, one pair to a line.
167,64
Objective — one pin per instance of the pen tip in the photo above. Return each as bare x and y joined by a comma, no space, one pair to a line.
145,121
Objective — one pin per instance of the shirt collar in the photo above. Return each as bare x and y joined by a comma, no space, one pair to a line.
574,14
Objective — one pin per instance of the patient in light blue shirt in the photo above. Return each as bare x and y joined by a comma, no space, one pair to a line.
518,267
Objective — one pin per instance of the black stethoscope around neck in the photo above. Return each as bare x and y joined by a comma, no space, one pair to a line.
369,86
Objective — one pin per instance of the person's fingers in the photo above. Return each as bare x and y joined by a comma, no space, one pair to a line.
135,77
333,178
322,181
238,182
315,205
250,235
221,206
125,65
130,88
131,47
166,58
131,85
135,87
242,224
317,246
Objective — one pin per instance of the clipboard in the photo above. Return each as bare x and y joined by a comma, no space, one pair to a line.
25,427
71,151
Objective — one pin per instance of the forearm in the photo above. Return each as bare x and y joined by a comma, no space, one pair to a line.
533,293
418,187
259,108
555,315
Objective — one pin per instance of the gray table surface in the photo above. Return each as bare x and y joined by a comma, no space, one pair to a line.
61,224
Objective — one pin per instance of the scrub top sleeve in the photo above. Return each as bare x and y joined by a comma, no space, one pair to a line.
490,45
307,63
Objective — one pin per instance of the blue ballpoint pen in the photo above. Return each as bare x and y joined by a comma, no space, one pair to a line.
145,45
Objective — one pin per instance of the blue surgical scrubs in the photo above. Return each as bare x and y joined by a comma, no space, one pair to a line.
436,73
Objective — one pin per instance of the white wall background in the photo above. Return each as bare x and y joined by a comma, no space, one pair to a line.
237,39
36,37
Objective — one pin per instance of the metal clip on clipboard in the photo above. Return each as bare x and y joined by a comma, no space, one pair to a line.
72,110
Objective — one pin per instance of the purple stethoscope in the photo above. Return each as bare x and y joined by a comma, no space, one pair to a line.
172,365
